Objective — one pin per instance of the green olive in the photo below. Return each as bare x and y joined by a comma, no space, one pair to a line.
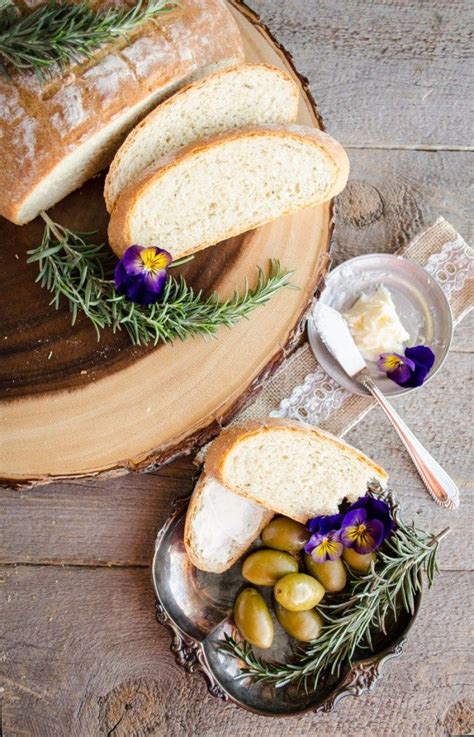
303,626
358,561
253,619
331,574
298,592
265,567
283,533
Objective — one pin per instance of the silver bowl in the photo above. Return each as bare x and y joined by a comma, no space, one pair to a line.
196,608
419,300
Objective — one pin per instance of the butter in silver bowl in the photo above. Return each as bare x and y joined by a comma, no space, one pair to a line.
419,301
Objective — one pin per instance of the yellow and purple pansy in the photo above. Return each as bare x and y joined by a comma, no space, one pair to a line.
141,273
409,370
363,526
325,546
366,524
325,542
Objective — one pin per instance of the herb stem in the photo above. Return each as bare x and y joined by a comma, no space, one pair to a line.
71,266
52,226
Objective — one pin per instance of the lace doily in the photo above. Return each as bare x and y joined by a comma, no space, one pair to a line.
319,395
452,266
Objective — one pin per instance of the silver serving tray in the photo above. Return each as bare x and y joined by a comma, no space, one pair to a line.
196,608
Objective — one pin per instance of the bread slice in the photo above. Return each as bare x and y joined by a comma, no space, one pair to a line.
291,468
226,185
220,525
249,94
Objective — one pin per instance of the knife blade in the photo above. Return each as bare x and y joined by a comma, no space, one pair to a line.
336,336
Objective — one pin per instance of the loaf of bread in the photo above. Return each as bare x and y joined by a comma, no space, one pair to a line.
249,94
226,185
57,134
220,525
290,468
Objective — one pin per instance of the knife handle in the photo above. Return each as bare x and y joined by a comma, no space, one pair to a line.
441,486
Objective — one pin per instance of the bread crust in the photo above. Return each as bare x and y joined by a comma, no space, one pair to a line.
41,124
174,100
224,443
119,232
193,555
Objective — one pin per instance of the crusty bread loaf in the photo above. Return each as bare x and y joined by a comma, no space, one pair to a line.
56,135
250,94
291,468
220,525
225,185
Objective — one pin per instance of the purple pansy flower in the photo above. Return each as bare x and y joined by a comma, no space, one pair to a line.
366,524
409,370
325,523
141,273
360,532
376,509
324,546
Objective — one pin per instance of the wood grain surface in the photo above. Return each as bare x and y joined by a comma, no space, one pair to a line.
63,394
82,655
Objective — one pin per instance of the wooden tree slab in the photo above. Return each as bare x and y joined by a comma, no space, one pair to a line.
72,407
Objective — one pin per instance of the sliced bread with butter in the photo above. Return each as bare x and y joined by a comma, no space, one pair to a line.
290,468
262,467
250,94
220,525
226,185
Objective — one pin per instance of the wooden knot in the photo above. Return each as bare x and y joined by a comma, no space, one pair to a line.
359,205
132,708
459,718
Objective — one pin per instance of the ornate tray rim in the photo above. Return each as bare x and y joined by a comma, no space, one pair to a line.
190,653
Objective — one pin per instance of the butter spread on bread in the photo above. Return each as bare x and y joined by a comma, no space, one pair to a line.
220,525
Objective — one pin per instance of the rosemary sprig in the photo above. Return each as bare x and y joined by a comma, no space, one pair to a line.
72,267
59,33
8,14
350,624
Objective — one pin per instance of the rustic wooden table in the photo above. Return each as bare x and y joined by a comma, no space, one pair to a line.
82,653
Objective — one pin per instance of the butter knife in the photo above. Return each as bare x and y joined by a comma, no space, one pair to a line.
337,338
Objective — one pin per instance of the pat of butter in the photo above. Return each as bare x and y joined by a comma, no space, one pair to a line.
375,325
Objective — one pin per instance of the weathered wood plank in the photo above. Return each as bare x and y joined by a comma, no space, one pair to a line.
384,73
83,657
463,340
111,522
393,195
114,522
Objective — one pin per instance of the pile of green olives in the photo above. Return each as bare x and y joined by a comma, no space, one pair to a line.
299,584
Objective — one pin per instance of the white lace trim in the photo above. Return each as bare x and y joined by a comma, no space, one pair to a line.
313,400
452,266
319,395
